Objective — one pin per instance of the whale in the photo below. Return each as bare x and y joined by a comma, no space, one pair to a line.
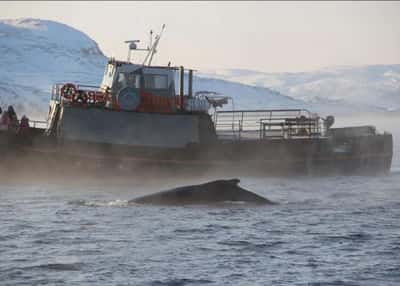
214,192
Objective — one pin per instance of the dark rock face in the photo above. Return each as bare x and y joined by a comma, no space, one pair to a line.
209,193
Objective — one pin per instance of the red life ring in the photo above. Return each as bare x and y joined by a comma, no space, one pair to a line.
68,91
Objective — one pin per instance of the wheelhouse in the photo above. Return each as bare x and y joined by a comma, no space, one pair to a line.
136,87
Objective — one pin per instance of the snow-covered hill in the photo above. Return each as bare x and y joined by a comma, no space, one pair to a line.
247,96
352,89
34,54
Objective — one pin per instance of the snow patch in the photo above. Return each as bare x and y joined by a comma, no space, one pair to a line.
39,53
365,88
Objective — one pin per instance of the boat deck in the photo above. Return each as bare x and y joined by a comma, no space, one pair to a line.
268,124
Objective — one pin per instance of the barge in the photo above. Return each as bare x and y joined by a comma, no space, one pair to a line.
135,122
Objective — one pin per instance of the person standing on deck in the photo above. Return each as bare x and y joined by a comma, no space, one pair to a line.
13,126
5,121
23,128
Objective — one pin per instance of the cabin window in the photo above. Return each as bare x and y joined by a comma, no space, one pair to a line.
155,81
128,80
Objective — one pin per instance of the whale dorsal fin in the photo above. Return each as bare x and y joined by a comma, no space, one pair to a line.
235,181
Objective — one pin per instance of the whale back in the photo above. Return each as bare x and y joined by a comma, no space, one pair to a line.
208,193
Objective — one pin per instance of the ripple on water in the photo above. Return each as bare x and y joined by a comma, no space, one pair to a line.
352,237
320,236
332,283
59,266
178,282
206,229
248,246
100,203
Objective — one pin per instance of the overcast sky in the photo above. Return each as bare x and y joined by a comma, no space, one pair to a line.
265,36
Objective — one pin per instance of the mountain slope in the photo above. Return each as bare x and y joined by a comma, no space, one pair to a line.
366,88
247,96
38,53
35,54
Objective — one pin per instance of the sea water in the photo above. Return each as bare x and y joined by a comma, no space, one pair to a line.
340,230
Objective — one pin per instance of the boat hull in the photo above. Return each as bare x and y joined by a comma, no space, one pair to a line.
279,157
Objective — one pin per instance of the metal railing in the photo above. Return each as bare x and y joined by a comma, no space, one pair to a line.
267,124
38,124
56,90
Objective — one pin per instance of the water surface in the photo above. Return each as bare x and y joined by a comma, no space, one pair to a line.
324,231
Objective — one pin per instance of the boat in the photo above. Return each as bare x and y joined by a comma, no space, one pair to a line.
135,122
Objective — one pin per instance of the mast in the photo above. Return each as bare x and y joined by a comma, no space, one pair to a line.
153,48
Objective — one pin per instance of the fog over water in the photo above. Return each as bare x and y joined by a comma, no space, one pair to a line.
339,230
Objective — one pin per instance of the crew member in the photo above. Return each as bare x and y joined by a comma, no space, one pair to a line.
23,128
13,124
5,121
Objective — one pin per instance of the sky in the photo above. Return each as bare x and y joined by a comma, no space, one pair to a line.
264,36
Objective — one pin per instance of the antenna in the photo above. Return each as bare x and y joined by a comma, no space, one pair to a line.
151,39
153,47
